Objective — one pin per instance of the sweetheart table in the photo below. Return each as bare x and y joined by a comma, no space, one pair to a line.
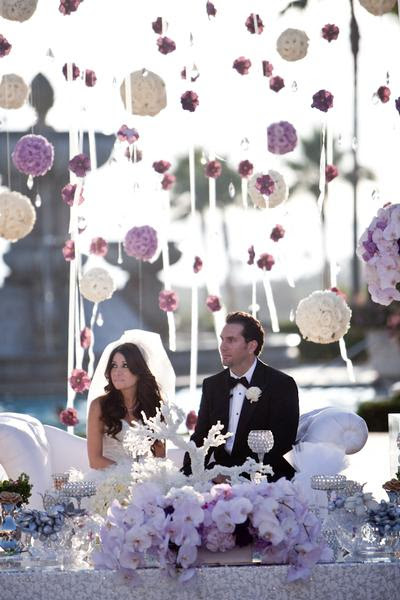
334,581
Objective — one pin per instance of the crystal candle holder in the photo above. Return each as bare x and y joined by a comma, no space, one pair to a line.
328,483
79,490
260,441
59,480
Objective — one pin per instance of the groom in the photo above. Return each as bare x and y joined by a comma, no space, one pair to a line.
275,404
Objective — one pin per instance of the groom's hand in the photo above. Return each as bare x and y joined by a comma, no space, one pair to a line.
221,479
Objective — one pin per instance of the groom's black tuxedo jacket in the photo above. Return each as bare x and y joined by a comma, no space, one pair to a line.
276,409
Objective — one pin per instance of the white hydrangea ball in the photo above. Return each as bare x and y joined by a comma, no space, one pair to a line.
292,44
17,216
13,91
97,285
17,10
323,317
148,93
279,195
378,7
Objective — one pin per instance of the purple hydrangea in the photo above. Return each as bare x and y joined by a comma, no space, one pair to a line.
80,165
213,303
33,155
168,301
127,134
68,194
166,45
276,83
161,166
277,233
141,242
189,101
210,9
330,32
245,168
251,21
323,100
282,137
265,185
242,65
5,46
90,78
266,261
213,169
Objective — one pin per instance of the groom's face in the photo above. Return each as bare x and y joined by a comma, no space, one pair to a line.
235,351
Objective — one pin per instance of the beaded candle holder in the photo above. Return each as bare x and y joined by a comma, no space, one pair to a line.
260,441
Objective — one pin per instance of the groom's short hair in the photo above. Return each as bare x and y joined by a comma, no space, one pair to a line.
252,328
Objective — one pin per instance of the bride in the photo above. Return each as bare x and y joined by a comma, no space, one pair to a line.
129,388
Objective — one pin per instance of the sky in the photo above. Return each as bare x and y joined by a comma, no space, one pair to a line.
116,38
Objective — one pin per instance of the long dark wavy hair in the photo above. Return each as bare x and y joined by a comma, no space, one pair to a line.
148,397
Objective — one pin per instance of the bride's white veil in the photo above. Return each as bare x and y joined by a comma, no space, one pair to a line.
150,345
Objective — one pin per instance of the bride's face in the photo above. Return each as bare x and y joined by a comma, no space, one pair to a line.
121,377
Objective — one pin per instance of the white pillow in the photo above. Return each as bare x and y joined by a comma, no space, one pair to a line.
24,449
334,426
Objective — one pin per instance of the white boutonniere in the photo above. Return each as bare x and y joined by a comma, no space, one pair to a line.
253,394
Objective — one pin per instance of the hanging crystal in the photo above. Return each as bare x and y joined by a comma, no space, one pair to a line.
49,53
231,190
387,78
119,260
375,195
99,320
295,87
244,144
203,158
354,143
29,182
291,315
38,200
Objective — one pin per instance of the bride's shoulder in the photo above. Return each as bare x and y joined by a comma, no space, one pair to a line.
95,405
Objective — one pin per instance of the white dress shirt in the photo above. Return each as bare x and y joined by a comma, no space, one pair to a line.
235,405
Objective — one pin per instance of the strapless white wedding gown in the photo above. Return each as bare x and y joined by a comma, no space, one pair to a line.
113,446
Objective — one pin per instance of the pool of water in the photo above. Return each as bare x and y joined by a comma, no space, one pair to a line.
47,408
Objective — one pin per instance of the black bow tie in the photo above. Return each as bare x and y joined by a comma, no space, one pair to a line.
232,381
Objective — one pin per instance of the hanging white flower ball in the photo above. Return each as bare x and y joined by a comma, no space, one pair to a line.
17,10
148,93
323,317
97,285
378,7
13,91
278,196
17,216
292,44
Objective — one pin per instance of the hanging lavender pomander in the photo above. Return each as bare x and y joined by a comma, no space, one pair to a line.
33,155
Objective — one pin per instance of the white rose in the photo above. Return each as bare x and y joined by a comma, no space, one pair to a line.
253,394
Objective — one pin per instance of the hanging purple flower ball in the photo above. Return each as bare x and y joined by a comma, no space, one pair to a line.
98,246
168,181
90,78
276,83
397,104
86,337
245,168
68,6
211,10
5,46
265,185
189,101
33,155
282,137
213,169
277,233
383,94
168,301
75,71
252,255
80,165
251,19
267,68
213,303
127,134
330,32
197,264
331,172
69,250
242,65
157,26
141,242
68,194
166,45
161,166
266,261
323,100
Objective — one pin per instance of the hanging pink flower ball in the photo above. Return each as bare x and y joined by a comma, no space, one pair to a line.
252,255
161,166
330,32
68,6
141,242
166,45
331,172
323,100
127,134
191,420
79,381
90,78
213,169
211,10
98,246
266,261
265,185
75,71
267,68
168,181
383,94
33,155
157,26
242,65
250,21
69,417
282,137
86,337
277,233
213,303
68,194
168,301
189,101
69,250
80,165
276,83
197,264
245,168
5,46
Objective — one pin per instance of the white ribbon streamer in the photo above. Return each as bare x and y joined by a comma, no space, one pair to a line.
270,302
166,268
349,364
322,175
244,193
195,293
91,346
